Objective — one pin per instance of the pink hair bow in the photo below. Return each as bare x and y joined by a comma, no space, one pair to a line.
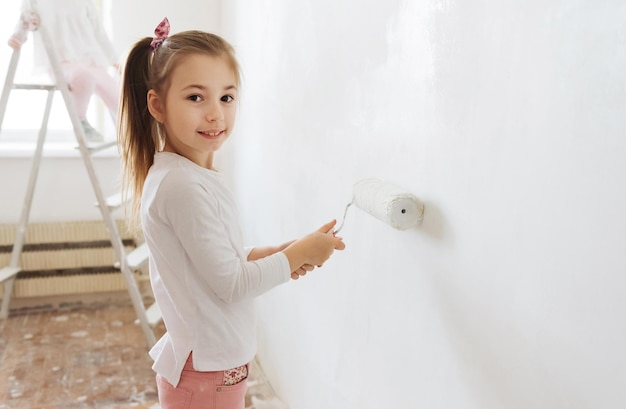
160,33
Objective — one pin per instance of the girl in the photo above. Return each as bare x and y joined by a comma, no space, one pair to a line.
179,99
84,50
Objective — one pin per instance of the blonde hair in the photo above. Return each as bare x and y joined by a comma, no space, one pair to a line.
140,136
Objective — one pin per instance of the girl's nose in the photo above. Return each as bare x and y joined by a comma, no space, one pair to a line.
214,112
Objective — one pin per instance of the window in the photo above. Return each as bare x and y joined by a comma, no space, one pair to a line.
25,108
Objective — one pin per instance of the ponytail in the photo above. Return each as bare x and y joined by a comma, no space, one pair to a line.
136,139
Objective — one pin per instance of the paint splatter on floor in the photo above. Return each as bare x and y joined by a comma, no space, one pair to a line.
92,357
86,358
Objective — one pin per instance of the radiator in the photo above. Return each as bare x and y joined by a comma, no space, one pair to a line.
66,258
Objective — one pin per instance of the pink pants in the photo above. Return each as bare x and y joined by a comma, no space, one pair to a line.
86,80
200,390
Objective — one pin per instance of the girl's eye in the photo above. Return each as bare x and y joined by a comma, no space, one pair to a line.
227,98
195,98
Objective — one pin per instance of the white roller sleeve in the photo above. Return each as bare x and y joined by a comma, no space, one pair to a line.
388,203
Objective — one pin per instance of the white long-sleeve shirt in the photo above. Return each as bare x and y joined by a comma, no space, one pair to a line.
199,271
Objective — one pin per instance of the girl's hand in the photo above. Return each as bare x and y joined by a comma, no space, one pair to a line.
302,271
315,248
16,41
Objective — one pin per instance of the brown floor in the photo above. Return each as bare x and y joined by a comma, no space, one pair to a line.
85,357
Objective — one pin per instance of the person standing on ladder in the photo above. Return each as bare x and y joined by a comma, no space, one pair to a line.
84,50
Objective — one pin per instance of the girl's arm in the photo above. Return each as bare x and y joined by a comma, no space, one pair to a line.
28,21
264,251
260,252
305,253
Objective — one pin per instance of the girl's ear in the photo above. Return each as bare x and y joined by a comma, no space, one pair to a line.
155,106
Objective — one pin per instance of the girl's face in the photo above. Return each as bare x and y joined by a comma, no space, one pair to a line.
198,110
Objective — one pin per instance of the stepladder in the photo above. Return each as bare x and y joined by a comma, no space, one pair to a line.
128,262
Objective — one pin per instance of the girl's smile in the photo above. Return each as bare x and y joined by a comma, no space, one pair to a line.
212,134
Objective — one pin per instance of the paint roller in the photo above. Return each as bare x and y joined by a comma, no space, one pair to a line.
387,202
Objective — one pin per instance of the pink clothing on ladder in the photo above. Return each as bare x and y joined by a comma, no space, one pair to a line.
82,46
85,80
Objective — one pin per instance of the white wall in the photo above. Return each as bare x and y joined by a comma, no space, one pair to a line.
507,118
63,191
133,20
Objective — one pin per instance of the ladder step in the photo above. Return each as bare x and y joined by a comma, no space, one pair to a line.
101,147
153,314
44,87
8,272
138,256
94,147
113,202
